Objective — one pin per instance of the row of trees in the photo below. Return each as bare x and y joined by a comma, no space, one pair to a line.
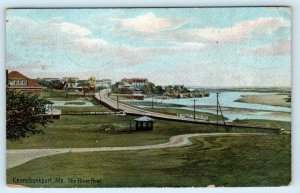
150,88
53,84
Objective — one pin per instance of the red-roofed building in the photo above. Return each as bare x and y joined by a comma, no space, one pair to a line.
135,82
17,81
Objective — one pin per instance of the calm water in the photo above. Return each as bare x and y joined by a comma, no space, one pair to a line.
62,103
227,99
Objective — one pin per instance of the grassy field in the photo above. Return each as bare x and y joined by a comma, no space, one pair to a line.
281,124
81,131
222,161
61,95
285,126
84,108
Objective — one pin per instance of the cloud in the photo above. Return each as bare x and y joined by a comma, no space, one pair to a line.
74,39
237,33
88,45
34,66
280,48
27,28
54,34
216,73
70,29
148,23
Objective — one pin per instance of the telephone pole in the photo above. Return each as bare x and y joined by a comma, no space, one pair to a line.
194,109
152,100
219,107
118,102
217,111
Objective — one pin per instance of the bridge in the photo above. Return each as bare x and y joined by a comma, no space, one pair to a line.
114,105
103,98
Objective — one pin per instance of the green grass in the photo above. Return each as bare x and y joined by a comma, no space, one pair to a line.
173,111
84,108
53,94
80,131
222,161
281,124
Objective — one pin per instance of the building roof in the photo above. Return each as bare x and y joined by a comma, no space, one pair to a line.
144,119
142,80
17,75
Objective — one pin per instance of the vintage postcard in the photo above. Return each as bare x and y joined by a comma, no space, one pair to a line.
148,97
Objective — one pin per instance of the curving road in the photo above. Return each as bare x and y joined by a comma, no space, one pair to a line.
21,156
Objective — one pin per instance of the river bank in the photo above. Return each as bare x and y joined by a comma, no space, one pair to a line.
266,99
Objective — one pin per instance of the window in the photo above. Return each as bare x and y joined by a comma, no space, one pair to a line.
23,82
12,82
18,82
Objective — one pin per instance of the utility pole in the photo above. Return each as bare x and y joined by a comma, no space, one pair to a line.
152,100
118,102
194,109
99,95
221,113
217,111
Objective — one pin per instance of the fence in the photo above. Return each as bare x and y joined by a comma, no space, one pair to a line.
201,117
93,113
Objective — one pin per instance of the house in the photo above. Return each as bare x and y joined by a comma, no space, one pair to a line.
17,81
139,82
70,82
66,79
133,82
169,89
103,83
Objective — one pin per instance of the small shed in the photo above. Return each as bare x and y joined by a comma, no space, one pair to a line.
48,105
144,123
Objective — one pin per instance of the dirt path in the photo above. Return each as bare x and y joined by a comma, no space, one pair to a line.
20,156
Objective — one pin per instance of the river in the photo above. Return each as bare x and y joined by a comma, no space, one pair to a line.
232,110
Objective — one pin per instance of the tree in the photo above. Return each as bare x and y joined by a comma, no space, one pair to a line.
92,83
82,83
98,88
148,88
57,84
24,112
115,88
158,90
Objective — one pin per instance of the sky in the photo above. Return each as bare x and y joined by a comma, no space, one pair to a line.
206,47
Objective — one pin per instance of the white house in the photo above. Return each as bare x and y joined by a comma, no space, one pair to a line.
103,83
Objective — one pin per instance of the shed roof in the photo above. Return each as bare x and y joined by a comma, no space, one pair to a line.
48,102
144,119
